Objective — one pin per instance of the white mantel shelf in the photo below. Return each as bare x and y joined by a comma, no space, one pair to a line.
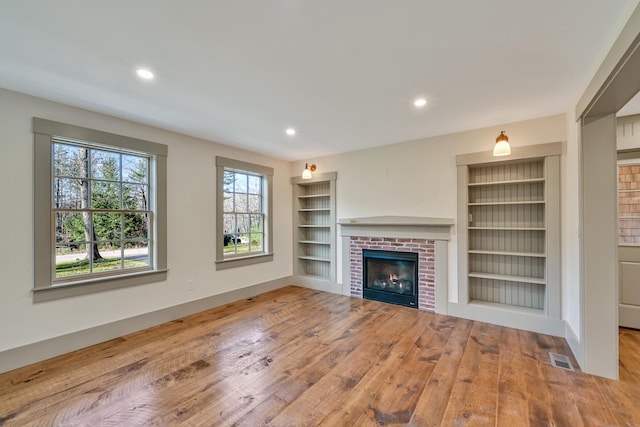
396,220
397,226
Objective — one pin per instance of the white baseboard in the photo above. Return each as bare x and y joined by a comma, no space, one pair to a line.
628,315
318,284
46,349
503,315
574,343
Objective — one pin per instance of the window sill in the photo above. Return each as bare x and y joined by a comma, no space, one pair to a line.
90,286
242,261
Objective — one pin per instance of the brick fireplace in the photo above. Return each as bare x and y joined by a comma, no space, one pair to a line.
426,264
426,237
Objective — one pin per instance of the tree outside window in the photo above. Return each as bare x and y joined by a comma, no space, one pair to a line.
101,210
243,218
243,214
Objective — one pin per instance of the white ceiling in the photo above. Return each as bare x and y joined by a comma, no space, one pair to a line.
344,73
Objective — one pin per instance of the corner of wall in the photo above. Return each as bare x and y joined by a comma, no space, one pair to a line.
574,343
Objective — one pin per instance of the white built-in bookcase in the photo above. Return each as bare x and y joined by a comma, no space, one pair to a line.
314,222
509,230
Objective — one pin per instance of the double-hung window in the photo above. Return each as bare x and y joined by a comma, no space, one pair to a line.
100,202
101,210
243,213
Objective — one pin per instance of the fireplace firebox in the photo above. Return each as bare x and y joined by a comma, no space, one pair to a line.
390,276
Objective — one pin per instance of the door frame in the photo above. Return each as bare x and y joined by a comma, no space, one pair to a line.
613,85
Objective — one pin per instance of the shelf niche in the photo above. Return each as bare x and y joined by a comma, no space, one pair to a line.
314,234
509,219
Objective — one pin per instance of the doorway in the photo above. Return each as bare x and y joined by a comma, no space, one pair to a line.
614,84
629,238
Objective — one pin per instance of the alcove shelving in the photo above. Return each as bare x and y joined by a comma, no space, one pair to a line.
314,227
509,220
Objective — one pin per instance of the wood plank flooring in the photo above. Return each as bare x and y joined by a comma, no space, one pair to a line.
299,357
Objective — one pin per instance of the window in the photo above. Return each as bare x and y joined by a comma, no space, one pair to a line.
101,211
629,202
100,202
243,213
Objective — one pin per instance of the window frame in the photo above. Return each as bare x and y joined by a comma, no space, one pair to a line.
45,133
624,216
224,262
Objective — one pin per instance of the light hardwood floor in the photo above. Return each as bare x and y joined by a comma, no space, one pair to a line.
298,357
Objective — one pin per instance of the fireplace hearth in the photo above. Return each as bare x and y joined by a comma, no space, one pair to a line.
390,276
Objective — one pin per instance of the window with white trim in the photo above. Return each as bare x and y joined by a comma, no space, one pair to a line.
99,210
243,213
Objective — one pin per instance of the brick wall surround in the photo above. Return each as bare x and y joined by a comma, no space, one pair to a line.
426,264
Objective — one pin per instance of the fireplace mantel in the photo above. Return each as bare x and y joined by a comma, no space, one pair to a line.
402,230
397,226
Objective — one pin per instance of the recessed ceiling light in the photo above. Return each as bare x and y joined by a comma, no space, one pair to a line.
420,102
290,131
145,74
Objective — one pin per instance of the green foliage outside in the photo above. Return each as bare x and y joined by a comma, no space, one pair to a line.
105,194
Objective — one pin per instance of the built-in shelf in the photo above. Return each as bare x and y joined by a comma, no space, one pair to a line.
313,196
315,258
527,202
313,242
508,278
507,221
507,308
506,182
507,253
509,228
314,228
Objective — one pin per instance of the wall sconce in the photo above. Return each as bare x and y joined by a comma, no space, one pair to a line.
306,173
502,147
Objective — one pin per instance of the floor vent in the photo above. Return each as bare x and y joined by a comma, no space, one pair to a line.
561,361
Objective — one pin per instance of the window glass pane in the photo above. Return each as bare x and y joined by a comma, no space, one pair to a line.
256,242
105,195
111,258
229,222
135,196
69,227
240,183
228,181
135,169
107,226
69,160
136,226
254,203
255,184
105,165
241,203
71,260
67,193
256,223
228,202
244,224
629,204
136,254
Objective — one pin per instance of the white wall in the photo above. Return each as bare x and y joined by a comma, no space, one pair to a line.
191,227
418,178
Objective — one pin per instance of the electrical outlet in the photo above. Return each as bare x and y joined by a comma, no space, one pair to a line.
191,284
